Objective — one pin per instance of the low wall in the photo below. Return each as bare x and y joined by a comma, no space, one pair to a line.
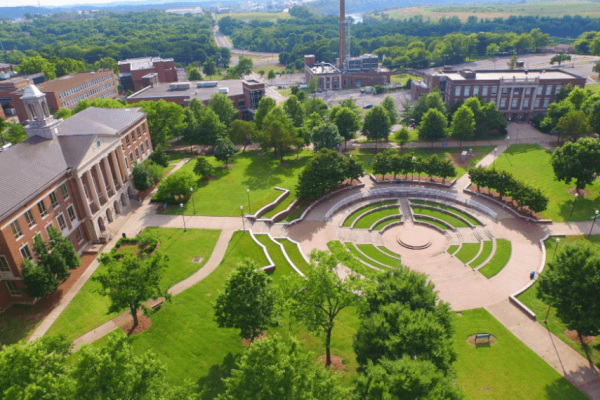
399,181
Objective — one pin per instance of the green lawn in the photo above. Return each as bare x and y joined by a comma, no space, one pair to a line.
381,225
428,221
388,251
296,212
294,254
485,253
260,174
350,219
379,256
280,207
499,260
449,208
345,258
531,164
402,78
506,370
282,266
88,309
467,252
360,256
452,249
452,220
368,220
540,308
594,88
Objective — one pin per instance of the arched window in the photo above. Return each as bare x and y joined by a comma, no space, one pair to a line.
45,106
32,111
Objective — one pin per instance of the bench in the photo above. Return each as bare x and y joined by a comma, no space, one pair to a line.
482,336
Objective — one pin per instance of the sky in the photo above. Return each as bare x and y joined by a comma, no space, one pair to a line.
13,3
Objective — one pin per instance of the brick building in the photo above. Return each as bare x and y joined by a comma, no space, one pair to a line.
519,94
360,71
74,175
8,87
133,72
69,90
245,94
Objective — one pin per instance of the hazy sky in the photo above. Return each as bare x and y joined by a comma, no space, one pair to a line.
15,3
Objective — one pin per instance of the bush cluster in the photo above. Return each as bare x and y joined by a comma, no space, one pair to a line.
389,161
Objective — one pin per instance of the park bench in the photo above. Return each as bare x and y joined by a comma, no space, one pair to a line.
482,336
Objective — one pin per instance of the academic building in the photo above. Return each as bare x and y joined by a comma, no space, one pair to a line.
519,94
137,73
9,87
74,175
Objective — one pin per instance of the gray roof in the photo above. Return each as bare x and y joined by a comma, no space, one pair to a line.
163,91
27,168
100,121
74,147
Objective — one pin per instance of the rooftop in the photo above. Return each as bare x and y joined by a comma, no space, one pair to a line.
23,79
488,75
71,80
143,62
324,68
163,90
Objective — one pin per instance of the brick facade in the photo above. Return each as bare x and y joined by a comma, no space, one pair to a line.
132,72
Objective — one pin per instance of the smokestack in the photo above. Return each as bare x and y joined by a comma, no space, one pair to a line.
342,52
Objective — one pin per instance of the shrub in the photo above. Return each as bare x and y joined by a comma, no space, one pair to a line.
175,188
203,168
159,156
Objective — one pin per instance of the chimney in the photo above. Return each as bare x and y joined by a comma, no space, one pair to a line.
342,53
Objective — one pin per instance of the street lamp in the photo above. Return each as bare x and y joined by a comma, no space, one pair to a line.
595,217
242,212
555,247
249,208
573,208
183,217
495,150
507,141
194,204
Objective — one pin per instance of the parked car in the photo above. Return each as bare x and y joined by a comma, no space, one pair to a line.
367,106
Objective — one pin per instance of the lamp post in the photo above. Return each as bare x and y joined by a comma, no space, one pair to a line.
242,212
183,217
507,141
594,218
573,208
413,168
495,150
194,204
555,247
249,208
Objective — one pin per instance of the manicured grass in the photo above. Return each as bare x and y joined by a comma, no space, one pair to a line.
368,220
360,256
294,254
594,88
531,164
436,223
485,253
540,308
388,251
499,260
506,370
402,78
382,224
350,219
467,252
88,309
449,208
280,207
452,249
282,266
452,220
260,174
176,156
443,152
296,212
345,258
379,256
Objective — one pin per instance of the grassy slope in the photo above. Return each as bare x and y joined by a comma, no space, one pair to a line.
452,249
258,173
377,255
381,225
531,164
451,209
438,224
485,253
89,309
350,219
467,252
452,220
282,266
354,250
507,369
499,260
294,254
368,220
280,207
349,261
388,251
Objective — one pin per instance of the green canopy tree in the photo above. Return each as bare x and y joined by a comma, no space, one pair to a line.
159,156
67,66
210,128
15,133
577,161
402,136
326,136
278,132
244,66
376,125
463,124
203,168
193,74
392,110
427,102
265,105
222,105
225,149
36,64
294,110
271,74
106,63
209,68
240,132
347,122
175,188
325,172
165,120
560,58
574,125
433,126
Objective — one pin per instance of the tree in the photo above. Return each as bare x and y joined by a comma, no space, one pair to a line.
574,125
323,173
165,120
278,368
317,300
407,114
240,132
194,75
294,110
209,68
463,124
313,105
492,49
326,136
313,120
425,103
433,126
106,63
383,163
390,106
225,149
569,284
377,124
596,68
203,168
577,161
347,122
402,136
210,128
278,132
271,74
265,105
493,119
314,84
244,66
142,176
559,58
512,64
446,169
159,156
36,64
564,92
175,188
130,281
223,107
39,280
63,113
248,301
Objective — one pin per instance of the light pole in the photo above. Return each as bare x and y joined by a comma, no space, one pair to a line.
507,141
243,222
595,217
249,208
182,217
555,247
194,204
495,150
573,208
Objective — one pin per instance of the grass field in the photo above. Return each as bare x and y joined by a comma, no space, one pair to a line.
383,224
428,221
350,219
379,256
388,251
88,309
499,259
368,220
485,253
294,254
449,208
491,11
345,258
282,266
467,252
594,88
403,78
258,173
540,308
452,220
354,250
280,207
506,370
452,249
531,164
256,16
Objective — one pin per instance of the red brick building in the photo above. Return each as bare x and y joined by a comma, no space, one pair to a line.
133,72
74,175
519,94
9,87
361,71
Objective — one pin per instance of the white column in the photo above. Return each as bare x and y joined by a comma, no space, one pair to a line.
123,163
111,181
86,204
101,181
533,99
522,98
512,91
92,187
118,170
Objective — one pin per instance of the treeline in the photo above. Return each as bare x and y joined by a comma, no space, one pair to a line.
389,161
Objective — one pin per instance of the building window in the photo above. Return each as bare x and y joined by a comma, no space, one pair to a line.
53,200
142,148
144,128
139,132
147,145
42,208
527,91
127,163
475,90
504,90
467,90
133,136
516,90
526,103
127,140
16,229
484,91
514,103
457,91
131,158
537,103
241,103
62,224
4,264
71,213
557,89
502,103
12,288
64,191
539,90
78,235
494,89
29,218
546,101
548,90
137,153
25,253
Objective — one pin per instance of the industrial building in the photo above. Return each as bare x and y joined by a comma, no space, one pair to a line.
137,73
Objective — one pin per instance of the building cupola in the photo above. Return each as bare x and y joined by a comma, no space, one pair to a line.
40,122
